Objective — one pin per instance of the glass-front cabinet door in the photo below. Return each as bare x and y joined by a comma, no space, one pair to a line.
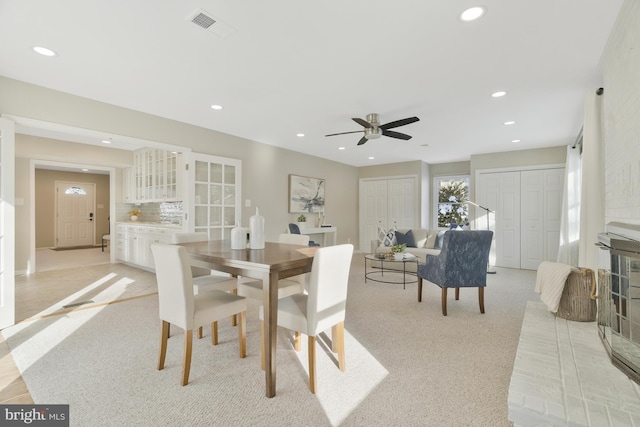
157,175
215,202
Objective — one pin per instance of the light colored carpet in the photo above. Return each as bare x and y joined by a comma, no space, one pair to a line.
406,364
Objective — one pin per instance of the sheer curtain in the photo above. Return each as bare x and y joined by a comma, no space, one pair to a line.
592,195
568,253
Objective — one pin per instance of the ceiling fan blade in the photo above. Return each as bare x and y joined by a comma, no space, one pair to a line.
362,122
343,133
398,123
362,140
397,135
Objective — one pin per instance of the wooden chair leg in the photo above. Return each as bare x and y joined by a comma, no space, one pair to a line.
334,333
186,363
262,362
481,298
419,289
242,333
234,318
457,294
200,332
338,338
296,341
164,335
444,301
214,333
312,364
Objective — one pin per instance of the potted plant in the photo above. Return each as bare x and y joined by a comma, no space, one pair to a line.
398,251
301,220
135,213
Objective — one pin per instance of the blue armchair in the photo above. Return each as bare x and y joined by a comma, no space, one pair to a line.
462,263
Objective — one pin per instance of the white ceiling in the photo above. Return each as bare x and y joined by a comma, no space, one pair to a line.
290,66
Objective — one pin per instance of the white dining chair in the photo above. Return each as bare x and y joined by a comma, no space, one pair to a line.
322,308
252,288
203,279
179,306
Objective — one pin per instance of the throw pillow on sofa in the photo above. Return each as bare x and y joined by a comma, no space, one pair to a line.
406,238
387,237
439,239
431,240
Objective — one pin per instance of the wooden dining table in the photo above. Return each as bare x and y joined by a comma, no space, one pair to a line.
276,261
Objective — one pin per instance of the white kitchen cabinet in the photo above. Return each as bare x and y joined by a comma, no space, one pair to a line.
128,191
135,242
157,175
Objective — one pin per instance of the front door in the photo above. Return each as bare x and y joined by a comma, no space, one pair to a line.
75,206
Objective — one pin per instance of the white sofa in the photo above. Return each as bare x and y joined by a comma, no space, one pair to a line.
427,243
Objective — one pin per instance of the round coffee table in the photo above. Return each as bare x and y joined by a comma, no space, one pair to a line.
389,265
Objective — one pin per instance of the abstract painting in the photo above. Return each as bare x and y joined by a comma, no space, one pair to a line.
306,195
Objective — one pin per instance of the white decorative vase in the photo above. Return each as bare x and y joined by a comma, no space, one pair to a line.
302,224
398,256
256,231
134,217
238,237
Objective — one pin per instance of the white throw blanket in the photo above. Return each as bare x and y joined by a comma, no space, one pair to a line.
550,280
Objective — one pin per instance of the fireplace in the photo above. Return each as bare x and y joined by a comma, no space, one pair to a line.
619,296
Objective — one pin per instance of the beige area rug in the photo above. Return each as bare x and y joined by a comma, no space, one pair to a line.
407,365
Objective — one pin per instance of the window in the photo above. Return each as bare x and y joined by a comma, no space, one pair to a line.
75,190
452,193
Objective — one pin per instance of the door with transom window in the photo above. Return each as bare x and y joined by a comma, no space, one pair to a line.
75,207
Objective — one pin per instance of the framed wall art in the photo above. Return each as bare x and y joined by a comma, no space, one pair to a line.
306,195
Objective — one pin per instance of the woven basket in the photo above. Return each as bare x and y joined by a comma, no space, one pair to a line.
578,300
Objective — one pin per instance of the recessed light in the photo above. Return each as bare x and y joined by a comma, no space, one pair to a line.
372,158
216,107
85,170
44,51
342,148
516,140
472,13
509,123
300,135
106,141
498,94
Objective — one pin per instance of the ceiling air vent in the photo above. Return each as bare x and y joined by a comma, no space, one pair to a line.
203,20
208,22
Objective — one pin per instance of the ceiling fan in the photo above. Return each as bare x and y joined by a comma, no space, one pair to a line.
374,130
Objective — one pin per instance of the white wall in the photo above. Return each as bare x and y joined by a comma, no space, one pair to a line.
621,74
265,168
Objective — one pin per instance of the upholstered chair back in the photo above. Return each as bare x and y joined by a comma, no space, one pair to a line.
328,287
198,236
462,262
175,286
294,239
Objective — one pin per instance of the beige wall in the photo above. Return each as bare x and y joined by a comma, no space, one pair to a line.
265,169
45,207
